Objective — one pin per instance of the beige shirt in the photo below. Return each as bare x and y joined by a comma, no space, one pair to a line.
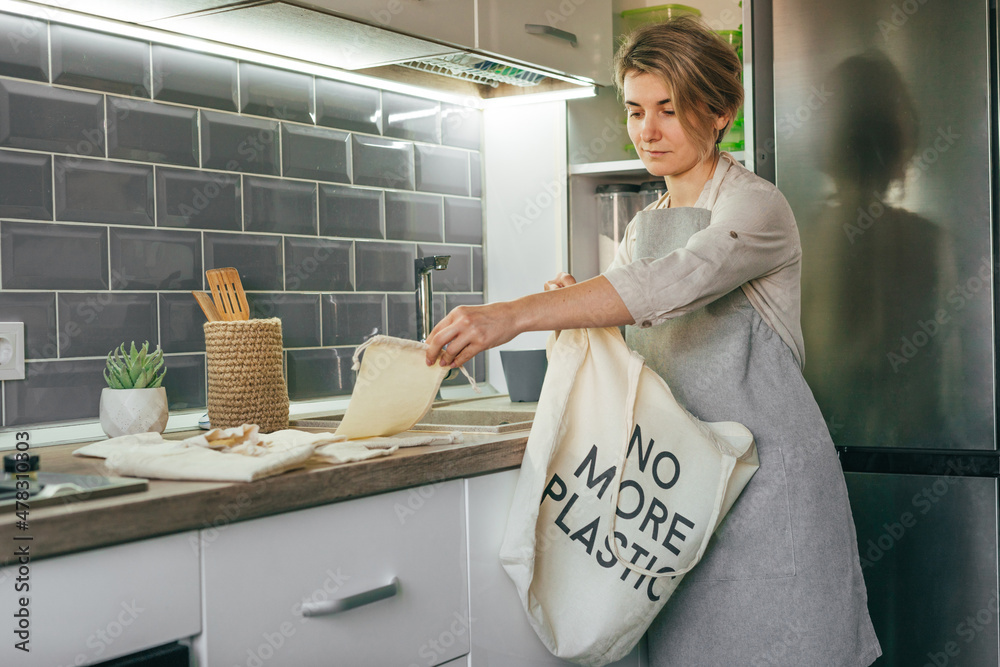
752,242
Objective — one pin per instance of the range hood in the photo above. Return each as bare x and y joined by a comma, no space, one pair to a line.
318,37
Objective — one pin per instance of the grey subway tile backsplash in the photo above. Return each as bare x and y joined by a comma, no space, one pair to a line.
441,169
256,257
386,267
43,118
181,323
299,315
315,153
350,319
318,373
185,381
198,79
27,185
458,276
25,52
477,269
278,93
152,132
413,217
477,368
46,256
54,391
402,314
238,143
463,220
382,162
198,199
408,117
155,259
279,206
321,193
348,106
353,212
100,61
103,191
461,126
38,312
319,265
94,323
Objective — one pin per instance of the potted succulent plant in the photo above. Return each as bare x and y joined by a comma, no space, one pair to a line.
134,400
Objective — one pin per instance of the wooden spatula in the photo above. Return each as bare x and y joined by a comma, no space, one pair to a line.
227,291
207,306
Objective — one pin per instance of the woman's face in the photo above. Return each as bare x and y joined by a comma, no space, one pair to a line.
653,126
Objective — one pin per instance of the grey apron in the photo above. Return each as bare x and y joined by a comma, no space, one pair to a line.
781,582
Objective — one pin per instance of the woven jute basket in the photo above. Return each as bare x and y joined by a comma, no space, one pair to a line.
245,380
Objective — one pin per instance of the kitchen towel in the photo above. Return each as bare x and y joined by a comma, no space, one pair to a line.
242,453
619,493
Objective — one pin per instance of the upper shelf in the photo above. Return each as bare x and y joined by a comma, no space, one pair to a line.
623,167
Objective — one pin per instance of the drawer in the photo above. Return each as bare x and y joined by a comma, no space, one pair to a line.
542,32
96,605
260,575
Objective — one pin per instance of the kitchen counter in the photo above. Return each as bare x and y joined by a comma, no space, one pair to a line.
169,506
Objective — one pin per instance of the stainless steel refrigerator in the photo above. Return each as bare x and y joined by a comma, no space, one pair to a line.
878,121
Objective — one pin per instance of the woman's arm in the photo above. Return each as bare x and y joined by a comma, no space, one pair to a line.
468,330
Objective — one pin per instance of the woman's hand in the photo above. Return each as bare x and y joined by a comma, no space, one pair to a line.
468,330
562,280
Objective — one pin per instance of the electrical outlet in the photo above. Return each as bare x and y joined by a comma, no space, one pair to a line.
11,350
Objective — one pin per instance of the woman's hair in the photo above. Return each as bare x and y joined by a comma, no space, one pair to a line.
701,69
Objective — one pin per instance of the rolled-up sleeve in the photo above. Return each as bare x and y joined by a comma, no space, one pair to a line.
749,236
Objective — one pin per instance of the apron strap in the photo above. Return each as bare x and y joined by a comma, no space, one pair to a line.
635,366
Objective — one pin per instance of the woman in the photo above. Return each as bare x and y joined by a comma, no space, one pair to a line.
707,282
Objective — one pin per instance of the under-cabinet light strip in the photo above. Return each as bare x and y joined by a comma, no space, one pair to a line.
46,12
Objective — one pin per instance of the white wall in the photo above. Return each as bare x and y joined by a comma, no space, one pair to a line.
524,189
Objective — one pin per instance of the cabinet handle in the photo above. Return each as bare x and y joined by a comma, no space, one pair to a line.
539,29
328,607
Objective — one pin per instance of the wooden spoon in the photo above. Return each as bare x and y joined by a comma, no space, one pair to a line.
227,291
207,306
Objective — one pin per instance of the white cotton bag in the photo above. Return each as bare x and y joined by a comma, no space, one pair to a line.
611,452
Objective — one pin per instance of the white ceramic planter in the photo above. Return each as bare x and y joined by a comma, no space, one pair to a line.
128,411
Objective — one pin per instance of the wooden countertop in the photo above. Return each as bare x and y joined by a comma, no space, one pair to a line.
172,506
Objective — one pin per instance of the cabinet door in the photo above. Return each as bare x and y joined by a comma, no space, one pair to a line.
450,21
129,10
263,578
501,634
543,32
96,605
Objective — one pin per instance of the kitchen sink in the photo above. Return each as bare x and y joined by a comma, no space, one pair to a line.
457,417
486,421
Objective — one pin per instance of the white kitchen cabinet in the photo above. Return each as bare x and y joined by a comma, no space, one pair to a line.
96,605
501,634
569,36
451,21
273,585
137,12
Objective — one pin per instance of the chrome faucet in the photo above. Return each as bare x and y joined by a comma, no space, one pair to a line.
425,305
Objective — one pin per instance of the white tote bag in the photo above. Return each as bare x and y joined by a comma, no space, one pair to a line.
611,452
